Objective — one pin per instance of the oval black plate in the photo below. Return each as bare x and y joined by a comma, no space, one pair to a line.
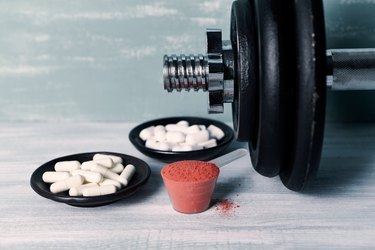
169,156
140,178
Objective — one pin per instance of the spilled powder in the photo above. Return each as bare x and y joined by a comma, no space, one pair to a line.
226,207
190,171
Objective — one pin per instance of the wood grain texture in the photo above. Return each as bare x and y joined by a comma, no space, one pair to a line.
338,211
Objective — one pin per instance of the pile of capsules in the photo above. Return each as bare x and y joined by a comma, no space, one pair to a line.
181,136
103,175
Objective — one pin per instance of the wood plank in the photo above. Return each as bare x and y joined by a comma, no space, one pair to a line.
338,211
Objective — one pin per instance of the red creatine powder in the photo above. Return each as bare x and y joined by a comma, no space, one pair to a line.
190,171
226,206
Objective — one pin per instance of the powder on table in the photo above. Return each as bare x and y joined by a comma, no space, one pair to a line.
190,171
226,206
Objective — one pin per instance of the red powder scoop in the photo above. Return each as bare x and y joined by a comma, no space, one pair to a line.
190,184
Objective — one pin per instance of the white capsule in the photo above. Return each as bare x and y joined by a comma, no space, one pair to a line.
105,162
198,137
163,146
146,133
89,176
127,174
216,132
67,166
52,176
194,147
87,165
208,144
175,128
66,184
192,129
183,148
99,190
160,135
202,127
151,143
183,123
115,159
77,191
175,136
110,182
159,128
117,168
105,172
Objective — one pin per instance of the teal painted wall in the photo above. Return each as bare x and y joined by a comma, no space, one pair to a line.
101,60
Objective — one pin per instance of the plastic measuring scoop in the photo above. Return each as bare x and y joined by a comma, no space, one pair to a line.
224,160
190,184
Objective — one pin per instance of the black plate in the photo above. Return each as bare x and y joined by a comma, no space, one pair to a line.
140,178
169,156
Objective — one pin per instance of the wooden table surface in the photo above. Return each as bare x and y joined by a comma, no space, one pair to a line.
338,210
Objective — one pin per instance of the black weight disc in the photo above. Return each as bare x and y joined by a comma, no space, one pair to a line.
306,138
244,44
267,154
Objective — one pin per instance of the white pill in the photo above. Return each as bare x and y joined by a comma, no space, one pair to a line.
208,144
146,133
183,123
66,184
77,191
151,143
159,128
99,190
89,176
117,168
192,129
115,159
105,162
105,172
160,135
194,147
216,132
127,174
175,136
163,146
198,137
87,165
52,176
154,144
183,148
110,182
67,165
175,128
202,127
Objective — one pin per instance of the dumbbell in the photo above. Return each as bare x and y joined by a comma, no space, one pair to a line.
275,71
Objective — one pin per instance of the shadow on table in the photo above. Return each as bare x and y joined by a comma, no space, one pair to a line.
230,188
147,191
343,175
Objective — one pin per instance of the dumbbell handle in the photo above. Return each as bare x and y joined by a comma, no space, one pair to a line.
351,69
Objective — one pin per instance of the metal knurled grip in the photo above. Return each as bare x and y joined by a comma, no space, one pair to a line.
207,72
347,69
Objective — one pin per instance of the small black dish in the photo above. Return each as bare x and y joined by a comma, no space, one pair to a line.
139,179
169,156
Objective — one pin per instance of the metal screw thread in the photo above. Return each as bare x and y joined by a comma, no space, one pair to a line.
185,72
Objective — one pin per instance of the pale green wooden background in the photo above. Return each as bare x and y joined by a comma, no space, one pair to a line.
101,60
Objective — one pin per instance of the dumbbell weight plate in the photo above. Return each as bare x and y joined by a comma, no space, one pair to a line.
302,161
267,154
244,43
